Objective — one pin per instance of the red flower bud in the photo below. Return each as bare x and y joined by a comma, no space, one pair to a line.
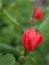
30,39
38,14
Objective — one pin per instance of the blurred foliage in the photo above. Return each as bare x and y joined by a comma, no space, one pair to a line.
14,19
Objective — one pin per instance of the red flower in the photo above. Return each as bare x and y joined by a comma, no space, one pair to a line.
30,39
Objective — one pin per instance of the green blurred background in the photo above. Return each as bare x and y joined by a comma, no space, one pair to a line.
14,19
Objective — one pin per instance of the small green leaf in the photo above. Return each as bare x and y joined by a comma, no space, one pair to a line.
30,61
5,48
16,63
7,59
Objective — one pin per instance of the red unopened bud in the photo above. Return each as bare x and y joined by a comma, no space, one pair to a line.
30,39
38,14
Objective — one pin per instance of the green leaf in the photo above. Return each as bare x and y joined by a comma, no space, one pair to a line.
37,57
4,48
7,59
9,16
16,63
30,61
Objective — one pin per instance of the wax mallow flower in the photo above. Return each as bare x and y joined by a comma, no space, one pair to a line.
31,38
